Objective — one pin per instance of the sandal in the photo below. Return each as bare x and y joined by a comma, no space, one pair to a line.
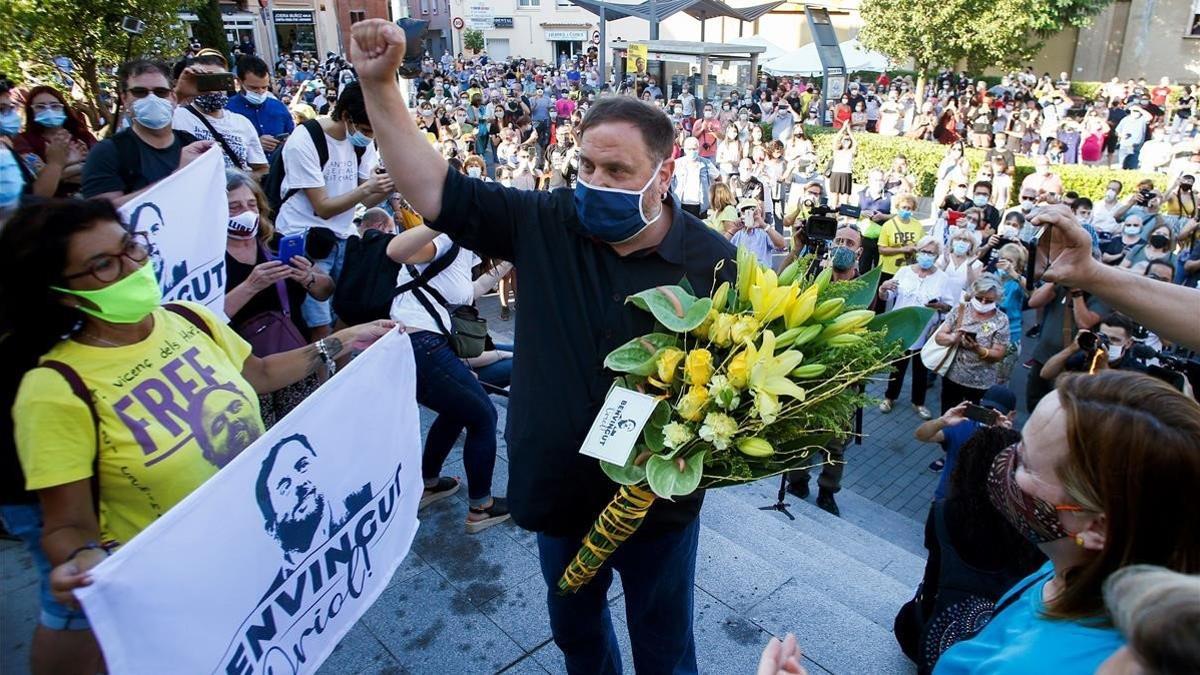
445,487
480,518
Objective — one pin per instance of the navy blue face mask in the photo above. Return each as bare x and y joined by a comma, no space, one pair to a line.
611,214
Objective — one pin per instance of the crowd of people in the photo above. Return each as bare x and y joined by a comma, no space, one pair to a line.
479,170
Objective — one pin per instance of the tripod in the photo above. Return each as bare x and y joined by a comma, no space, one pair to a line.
780,505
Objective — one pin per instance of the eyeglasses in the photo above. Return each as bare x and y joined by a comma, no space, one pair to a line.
143,92
107,267
42,107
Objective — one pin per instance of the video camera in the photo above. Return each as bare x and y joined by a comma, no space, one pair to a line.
1176,369
821,224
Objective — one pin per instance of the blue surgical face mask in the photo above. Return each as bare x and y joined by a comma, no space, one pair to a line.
10,123
925,260
611,214
980,200
50,118
842,258
255,97
358,139
905,214
12,181
153,112
960,247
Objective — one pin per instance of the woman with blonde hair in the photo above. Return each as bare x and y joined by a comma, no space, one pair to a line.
263,294
1010,269
1102,478
722,212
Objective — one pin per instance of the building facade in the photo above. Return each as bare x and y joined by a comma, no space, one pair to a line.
543,29
350,12
440,37
1132,39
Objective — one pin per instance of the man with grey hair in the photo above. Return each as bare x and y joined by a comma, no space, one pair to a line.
581,252
693,176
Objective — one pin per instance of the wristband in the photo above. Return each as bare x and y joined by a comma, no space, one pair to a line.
90,546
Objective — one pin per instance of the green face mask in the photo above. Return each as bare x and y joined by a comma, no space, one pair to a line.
126,301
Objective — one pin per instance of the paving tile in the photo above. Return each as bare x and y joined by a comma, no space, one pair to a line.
360,652
426,626
732,574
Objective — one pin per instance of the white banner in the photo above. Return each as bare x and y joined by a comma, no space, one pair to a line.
266,566
186,217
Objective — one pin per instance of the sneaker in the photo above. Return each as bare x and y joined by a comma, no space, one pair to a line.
445,487
481,518
826,502
886,406
798,489
923,412
937,465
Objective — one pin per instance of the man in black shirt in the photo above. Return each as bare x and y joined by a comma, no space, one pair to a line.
148,151
580,256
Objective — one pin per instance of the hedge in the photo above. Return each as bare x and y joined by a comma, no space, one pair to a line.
878,152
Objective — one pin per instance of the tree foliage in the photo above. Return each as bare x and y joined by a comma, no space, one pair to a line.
88,32
210,27
935,33
473,40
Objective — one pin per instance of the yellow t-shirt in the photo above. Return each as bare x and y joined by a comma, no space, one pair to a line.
716,220
173,409
894,235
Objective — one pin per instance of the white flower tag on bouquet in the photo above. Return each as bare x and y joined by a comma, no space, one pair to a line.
618,425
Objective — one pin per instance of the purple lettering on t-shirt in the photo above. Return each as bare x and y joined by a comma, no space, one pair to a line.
186,386
204,371
136,426
160,402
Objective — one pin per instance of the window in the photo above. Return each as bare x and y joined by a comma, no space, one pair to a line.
529,3
565,3
1193,29
357,15
435,5
424,6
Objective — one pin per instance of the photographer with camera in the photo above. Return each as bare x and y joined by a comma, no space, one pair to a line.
1105,348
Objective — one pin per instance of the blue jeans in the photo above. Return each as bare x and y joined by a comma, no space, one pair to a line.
320,312
499,374
24,521
657,574
446,386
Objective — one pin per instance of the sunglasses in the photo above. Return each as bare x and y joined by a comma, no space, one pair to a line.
143,92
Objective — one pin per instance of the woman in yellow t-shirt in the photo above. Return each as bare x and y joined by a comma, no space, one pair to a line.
140,403
722,216
899,237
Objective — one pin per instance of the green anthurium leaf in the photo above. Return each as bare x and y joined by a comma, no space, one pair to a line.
652,434
903,326
630,474
864,296
667,481
639,355
673,307
687,286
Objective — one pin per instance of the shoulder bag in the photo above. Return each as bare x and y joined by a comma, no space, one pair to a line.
467,332
937,358
272,331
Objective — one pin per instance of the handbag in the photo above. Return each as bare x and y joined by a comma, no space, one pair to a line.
272,331
937,358
467,332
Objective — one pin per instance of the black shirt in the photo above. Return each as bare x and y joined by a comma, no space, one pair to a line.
573,291
102,171
266,300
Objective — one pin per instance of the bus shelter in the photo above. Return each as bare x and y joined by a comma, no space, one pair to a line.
711,69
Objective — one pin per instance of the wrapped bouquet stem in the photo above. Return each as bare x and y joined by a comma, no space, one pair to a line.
746,384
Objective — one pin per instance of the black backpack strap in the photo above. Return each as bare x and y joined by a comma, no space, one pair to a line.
237,161
191,316
422,279
317,133
80,390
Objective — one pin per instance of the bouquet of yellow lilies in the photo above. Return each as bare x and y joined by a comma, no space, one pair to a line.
751,382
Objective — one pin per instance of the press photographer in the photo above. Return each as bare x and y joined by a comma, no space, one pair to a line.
1107,347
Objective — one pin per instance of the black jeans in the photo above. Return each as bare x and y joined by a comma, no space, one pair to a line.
954,393
447,386
920,378
830,479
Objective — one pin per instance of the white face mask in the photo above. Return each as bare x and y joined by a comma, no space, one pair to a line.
748,219
474,171
1111,195
1115,352
1008,232
1133,230
982,307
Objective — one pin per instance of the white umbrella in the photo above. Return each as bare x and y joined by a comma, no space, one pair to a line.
803,61
858,57
773,50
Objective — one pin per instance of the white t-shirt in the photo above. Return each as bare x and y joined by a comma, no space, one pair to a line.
454,283
236,129
302,169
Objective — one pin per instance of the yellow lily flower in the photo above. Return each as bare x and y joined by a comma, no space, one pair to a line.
769,376
768,298
800,309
